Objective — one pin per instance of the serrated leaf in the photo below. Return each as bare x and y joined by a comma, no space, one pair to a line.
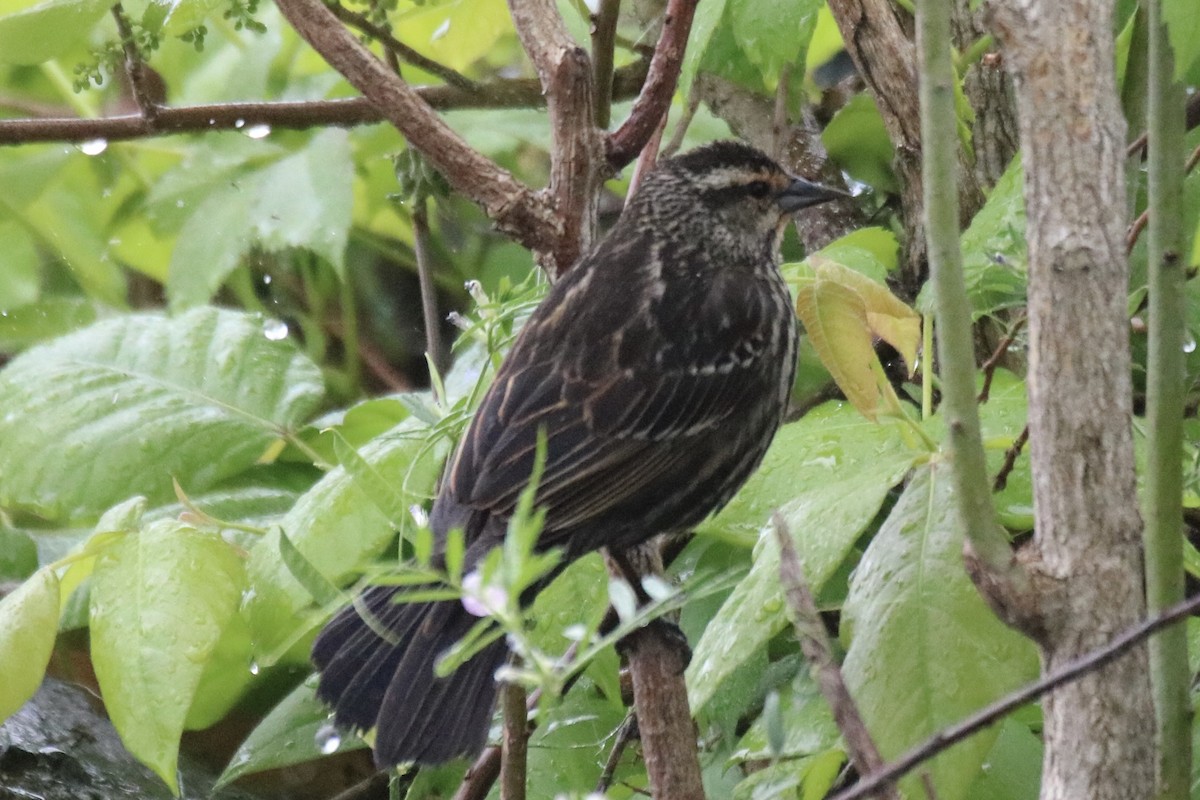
119,408
828,475
160,600
286,736
924,649
301,201
28,626
773,33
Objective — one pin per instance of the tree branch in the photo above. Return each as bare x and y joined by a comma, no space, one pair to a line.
135,68
516,741
871,785
503,93
814,641
516,210
627,141
565,71
604,32
656,667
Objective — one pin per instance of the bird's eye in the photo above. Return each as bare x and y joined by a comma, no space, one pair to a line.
758,188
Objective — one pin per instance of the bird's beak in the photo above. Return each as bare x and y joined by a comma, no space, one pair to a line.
802,194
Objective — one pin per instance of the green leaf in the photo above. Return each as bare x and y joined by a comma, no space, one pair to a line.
160,600
119,408
301,201
28,626
924,649
286,736
19,267
993,248
455,33
704,25
47,30
1183,29
773,33
18,554
858,142
1013,770
339,529
828,475
53,316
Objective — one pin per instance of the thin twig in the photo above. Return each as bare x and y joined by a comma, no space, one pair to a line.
625,143
402,51
429,307
1143,219
482,775
871,785
989,366
681,127
814,642
1010,460
135,68
626,733
516,742
501,93
604,31
647,159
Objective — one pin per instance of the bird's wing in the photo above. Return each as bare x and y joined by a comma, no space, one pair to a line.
615,408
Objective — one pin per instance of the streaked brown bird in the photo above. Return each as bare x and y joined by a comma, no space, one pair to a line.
659,368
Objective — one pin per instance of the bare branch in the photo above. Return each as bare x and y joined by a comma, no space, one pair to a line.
814,641
135,68
872,784
627,141
402,51
515,208
625,734
604,32
565,71
505,93
516,742
656,665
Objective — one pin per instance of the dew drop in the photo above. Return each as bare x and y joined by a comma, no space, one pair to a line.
255,668
275,329
94,147
239,123
328,739
419,515
258,131
441,31
1189,344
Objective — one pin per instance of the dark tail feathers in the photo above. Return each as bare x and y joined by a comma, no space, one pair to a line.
389,684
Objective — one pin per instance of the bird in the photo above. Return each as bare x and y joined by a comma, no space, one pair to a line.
656,371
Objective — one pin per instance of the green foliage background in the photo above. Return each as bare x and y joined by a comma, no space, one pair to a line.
195,453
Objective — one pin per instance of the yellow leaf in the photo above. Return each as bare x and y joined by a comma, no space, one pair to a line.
835,318
887,316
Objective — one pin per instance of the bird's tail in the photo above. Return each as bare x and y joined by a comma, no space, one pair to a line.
379,673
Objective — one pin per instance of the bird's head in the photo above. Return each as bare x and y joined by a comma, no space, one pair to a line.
733,190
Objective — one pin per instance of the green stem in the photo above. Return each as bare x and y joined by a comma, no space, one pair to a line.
927,366
956,358
1164,412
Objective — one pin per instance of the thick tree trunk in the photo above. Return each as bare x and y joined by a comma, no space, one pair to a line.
1099,731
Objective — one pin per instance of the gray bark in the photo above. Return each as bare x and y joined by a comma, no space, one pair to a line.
1099,731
